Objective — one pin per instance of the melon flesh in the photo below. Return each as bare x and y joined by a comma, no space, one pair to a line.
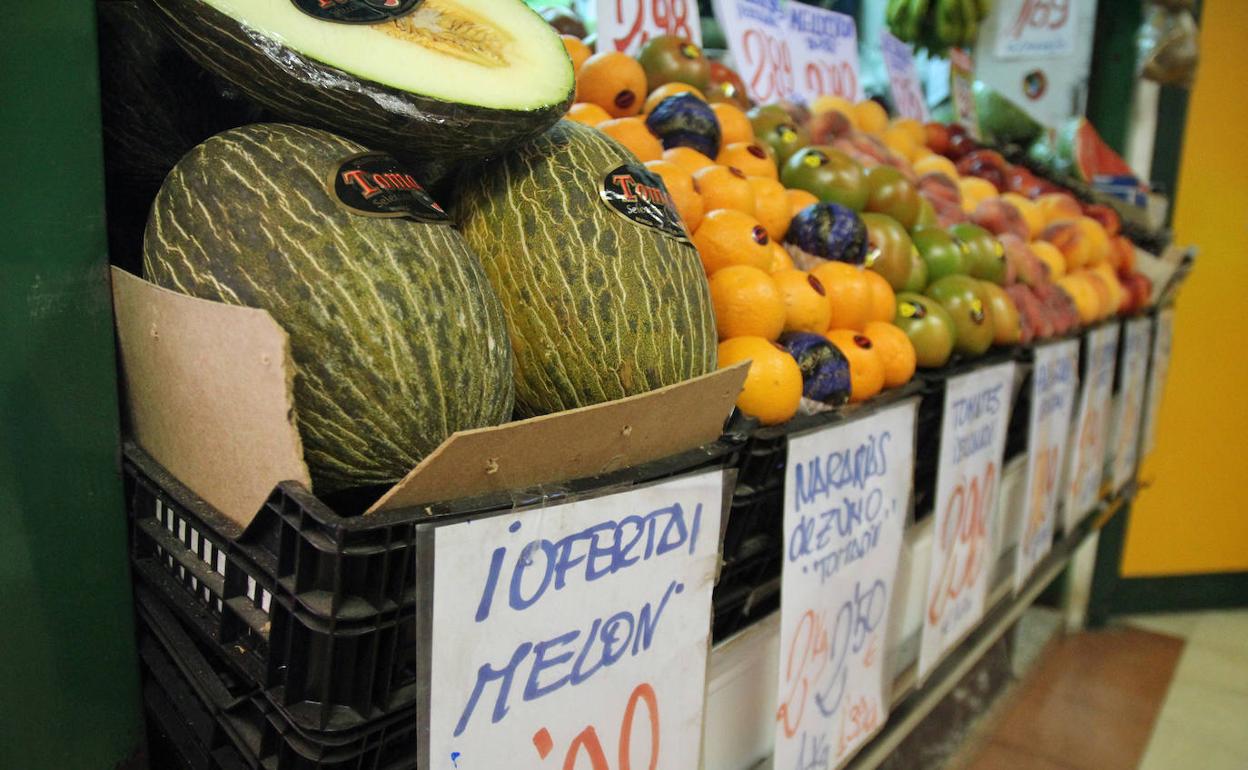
490,53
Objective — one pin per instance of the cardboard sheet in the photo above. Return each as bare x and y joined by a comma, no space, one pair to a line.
574,444
208,388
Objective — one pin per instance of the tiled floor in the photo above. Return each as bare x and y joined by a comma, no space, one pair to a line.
1090,704
1204,720
1166,692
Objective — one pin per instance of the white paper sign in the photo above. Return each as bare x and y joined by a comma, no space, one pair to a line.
824,46
1163,338
577,634
1130,406
626,25
1035,29
846,501
962,88
1053,388
968,480
757,34
903,78
1089,440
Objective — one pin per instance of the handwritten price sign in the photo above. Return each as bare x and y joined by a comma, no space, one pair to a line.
1089,441
972,442
847,493
1053,386
1035,29
1163,337
903,78
1130,405
825,52
962,87
757,35
575,636
626,25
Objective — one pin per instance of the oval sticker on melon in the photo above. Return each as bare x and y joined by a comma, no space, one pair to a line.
637,194
374,184
356,11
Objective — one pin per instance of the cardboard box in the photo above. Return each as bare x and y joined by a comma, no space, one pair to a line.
208,394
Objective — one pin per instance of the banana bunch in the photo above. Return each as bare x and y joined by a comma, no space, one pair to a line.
937,25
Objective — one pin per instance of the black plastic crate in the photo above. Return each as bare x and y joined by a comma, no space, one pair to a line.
314,607
219,722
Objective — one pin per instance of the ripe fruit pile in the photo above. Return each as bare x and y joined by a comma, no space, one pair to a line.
861,246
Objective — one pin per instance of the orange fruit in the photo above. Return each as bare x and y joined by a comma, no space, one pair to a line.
613,81
1051,256
750,157
806,304
747,302
866,368
936,164
577,50
771,206
780,260
773,386
974,192
839,104
850,292
798,200
679,184
734,126
896,352
589,114
883,299
724,187
1058,206
900,141
729,237
687,158
870,117
666,90
914,128
633,134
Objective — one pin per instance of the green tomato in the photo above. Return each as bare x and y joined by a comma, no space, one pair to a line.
889,249
940,252
889,192
968,306
827,173
985,256
918,272
929,328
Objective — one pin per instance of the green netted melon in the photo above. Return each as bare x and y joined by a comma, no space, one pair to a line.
604,294
397,338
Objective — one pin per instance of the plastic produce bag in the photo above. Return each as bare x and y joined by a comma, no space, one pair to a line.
1169,43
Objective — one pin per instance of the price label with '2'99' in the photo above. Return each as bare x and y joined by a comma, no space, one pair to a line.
627,25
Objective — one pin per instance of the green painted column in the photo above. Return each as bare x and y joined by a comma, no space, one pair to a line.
68,679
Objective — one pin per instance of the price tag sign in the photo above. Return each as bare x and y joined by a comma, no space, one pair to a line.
846,499
1053,388
825,52
1035,29
968,479
757,34
962,86
574,635
1089,441
1130,406
903,78
1163,338
626,25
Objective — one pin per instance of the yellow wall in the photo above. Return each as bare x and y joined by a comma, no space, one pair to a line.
1194,519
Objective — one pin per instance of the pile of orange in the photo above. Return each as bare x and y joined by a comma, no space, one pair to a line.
738,213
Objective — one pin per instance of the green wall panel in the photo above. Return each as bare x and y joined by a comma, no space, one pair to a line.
68,682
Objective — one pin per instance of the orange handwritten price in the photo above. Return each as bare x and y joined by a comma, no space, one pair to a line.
770,64
964,538
859,720
832,79
586,743
1043,485
639,20
1040,14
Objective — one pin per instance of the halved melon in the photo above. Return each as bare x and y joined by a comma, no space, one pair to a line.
451,78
